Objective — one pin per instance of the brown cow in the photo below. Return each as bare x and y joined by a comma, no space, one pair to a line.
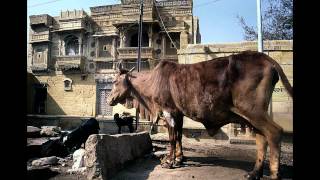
233,89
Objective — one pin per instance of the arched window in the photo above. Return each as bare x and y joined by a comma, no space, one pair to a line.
71,45
134,40
67,84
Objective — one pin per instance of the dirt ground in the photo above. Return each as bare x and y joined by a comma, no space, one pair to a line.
205,159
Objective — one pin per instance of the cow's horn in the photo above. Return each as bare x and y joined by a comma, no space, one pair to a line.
131,69
120,65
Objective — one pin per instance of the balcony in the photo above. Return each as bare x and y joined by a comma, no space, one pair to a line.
131,13
175,26
43,19
70,62
39,67
72,25
39,38
72,20
72,15
173,57
132,53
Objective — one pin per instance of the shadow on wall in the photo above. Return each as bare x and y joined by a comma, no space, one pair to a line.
52,107
30,92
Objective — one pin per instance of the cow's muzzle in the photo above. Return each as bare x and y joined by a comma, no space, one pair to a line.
111,101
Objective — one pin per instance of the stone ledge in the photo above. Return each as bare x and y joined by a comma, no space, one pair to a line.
108,154
276,45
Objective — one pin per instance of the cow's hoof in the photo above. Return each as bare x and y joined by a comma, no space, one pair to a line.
253,175
167,165
275,178
178,161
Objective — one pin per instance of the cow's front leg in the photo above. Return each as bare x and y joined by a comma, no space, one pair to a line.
169,161
179,153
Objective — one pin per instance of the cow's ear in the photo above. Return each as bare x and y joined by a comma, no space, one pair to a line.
119,65
123,71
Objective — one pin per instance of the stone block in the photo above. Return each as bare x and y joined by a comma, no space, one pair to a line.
107,154
34,146
45,161
33,131
50,131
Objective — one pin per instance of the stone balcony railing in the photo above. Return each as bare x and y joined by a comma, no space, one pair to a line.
171,57
132,53
39,38
132,13
72,25
38,67
71,15
70,62
44,19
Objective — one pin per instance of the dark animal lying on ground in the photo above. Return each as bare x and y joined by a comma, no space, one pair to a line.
54,148
123,121
77,137
232,89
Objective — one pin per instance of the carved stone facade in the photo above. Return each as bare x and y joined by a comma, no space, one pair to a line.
76,44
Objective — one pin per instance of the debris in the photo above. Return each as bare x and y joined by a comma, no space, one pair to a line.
160,154
33,131
50,131
78,159
45,161
54,148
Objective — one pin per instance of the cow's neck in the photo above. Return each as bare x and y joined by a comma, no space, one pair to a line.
140,92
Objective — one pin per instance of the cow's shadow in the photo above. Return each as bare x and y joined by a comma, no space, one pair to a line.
43,173
285,170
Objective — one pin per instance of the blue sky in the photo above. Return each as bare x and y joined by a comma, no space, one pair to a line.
218,22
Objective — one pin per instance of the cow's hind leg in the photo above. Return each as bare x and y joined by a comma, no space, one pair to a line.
257,172
261,143
272,133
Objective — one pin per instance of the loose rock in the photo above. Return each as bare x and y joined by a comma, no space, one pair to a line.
33,132
45,161
50,131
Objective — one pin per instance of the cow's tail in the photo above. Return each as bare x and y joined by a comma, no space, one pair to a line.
283,77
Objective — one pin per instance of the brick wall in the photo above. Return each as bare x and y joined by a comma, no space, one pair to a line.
79,101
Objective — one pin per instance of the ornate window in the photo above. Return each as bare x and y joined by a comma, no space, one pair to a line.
105,48
67,84
71,45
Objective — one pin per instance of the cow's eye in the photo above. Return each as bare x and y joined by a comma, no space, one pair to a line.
114,81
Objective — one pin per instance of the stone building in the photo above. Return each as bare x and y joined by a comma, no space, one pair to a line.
73,56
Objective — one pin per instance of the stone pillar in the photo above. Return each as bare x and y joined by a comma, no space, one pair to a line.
97,47
183,39
163,45
60,47
80,44
121,39
113,49
150,33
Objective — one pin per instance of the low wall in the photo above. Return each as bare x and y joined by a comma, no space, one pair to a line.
107,154
107,126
